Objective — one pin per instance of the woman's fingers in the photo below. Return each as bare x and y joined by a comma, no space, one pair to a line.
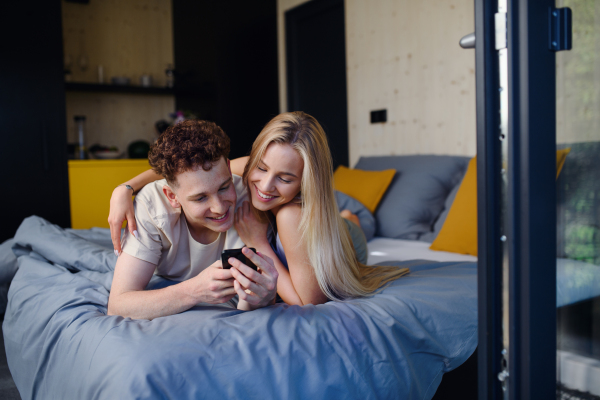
131,224
247,294
247,283
262,261
244,271
253,286
121,209
115,236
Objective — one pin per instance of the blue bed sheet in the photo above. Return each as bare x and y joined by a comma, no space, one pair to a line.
61,344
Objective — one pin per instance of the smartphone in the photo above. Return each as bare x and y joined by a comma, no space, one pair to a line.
236,253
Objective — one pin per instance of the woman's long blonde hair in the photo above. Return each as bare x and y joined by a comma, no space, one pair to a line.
326,235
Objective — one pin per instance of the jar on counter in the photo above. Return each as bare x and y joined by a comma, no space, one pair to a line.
170,72
80,151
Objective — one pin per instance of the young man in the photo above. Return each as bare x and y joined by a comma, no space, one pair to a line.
183,224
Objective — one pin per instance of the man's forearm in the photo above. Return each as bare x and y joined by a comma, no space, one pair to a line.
150,304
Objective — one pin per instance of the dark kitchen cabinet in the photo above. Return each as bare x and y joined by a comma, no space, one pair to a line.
33,150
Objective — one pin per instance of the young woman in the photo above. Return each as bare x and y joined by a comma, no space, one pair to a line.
289,177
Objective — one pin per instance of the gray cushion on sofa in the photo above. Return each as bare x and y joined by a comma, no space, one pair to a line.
367,220
437,226
417,193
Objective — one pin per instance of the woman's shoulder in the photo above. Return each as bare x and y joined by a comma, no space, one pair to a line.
288,221
289,213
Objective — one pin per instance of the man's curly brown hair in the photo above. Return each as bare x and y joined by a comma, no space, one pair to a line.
186,146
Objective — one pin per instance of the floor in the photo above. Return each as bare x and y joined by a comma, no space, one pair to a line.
8,389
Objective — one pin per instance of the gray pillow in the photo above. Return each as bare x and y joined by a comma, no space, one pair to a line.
437,226
417,193
367,220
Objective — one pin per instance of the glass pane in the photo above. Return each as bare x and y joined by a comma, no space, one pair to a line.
578,206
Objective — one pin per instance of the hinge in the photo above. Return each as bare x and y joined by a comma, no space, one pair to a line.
503,374
560,34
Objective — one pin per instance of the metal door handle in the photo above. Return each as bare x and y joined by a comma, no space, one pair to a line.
468,41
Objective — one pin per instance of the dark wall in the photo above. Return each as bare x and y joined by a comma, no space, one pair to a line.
316,69
226,63
33,148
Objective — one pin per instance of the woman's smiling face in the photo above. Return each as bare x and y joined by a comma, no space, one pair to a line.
277,178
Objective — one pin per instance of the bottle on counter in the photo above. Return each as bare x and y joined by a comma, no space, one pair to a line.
170,72
80,151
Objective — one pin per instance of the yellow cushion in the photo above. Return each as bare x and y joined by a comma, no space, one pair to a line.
368,187
561,156
459,232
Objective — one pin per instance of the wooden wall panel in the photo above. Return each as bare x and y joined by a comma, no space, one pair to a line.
128,38
117,119
404,56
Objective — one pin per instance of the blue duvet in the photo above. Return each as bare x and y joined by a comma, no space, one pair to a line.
60,343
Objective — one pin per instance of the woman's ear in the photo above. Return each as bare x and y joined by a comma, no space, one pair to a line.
171,196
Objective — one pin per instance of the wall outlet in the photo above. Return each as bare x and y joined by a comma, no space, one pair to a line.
378,116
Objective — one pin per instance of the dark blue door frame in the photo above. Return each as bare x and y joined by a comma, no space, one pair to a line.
489,269
532,200
530,228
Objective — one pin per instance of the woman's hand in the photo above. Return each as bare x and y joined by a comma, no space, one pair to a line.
121,209
252,231
256,289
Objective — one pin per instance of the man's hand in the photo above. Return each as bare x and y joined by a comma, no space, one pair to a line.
256,289
214,285
252,231
128,297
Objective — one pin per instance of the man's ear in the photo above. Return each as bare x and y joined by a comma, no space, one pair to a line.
171,196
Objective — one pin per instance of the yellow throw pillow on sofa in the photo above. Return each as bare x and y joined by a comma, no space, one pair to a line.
561,156
368,187
459,232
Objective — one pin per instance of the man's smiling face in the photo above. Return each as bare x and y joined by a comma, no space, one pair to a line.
207,198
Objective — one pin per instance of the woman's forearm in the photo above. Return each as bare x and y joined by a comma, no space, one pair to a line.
146,177
285,287
237,165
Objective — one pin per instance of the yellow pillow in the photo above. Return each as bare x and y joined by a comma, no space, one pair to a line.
368,187
459,232
561,156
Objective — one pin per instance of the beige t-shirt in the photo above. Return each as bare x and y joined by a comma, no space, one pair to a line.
164,237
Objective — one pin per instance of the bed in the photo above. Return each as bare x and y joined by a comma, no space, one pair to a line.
398,343
60,343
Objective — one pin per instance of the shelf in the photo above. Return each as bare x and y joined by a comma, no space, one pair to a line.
106,88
